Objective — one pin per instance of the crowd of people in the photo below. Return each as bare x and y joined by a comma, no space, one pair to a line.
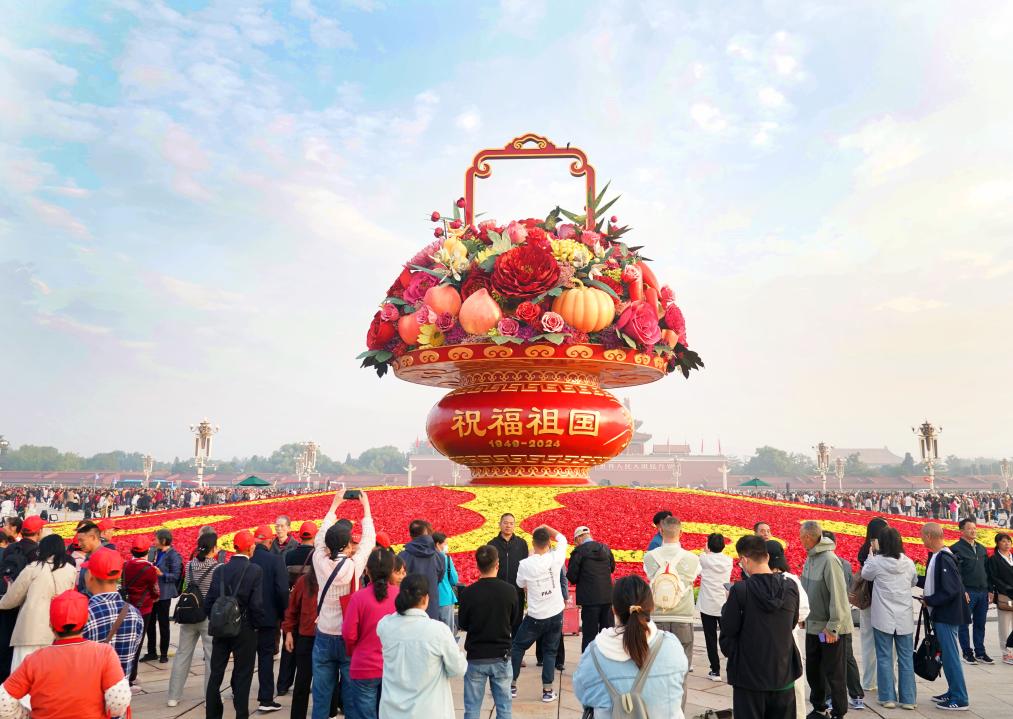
333,615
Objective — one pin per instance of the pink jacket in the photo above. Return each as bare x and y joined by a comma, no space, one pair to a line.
359,631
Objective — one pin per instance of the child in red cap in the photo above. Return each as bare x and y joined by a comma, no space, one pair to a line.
73,677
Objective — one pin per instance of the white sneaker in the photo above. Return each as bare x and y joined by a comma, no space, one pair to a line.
172,703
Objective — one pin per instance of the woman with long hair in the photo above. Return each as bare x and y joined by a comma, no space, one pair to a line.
33,590
893,574
420,657
299,628
1000,569
198,580
873,530
364,611
612,662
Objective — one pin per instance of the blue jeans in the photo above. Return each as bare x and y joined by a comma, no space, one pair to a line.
329,659
979,611
365,699
527,634
885,644
956,689
499,675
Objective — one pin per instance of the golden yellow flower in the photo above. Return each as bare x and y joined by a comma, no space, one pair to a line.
430,336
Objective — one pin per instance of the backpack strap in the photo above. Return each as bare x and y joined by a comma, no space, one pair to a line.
327,585
118,623
613,693
646,669
238,583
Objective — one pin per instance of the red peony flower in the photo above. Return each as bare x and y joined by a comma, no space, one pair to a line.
418,286
566,231
589,237
675,321
631,273
537,236
528,312
379,333
640,322
667,296
525,272
476,280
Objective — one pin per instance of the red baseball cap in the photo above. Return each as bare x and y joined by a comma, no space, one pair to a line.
307,530
33,524
263,532
243,540
383,540
141,543
104,564
106,524
68,612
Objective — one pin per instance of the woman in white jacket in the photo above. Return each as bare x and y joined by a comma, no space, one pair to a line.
779,565
893,575
33,590
715,572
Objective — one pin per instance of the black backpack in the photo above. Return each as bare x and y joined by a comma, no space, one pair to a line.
190,606
226,616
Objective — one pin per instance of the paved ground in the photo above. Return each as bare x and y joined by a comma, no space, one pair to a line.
991,690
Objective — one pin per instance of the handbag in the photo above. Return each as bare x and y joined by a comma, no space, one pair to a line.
860,592
927,660
1003,602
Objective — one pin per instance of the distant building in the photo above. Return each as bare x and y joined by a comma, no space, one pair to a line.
870,457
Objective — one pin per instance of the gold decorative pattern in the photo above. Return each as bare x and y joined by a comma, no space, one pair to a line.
459,353
614,355
660,362
427,356
579,351
531,472
518,142
496,352
539,351
641,358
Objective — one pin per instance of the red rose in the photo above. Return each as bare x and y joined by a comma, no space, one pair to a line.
389,313
675,321
475,281
525,272
640,322
528,312
552,322
508,327
418,286
667,296
379,334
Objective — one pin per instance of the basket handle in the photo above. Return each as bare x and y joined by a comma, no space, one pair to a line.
517,149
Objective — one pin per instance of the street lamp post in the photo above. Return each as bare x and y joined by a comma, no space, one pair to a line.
148,464
677,471
455,472
724,470
410,469
1007,472
4,445
202,447
928,443
823,462
839,471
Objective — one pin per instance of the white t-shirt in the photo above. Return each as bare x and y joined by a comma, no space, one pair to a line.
538,575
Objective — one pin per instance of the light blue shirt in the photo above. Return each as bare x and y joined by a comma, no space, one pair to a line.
419,658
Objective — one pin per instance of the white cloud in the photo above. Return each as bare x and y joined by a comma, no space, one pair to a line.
708,117
58,216
770,97
909,304
75,36
516,15
469,120
888,147
324,31
201,297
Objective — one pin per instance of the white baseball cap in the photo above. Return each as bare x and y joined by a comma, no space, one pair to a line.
580,530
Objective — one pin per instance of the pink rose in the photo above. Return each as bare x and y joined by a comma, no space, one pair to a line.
667,296
508,327
425,316
631,273
589,237
674,320
552,322
516,232
566,232
640,322
388,312
418,285
445,322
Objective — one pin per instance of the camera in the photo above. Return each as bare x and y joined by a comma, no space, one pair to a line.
354,494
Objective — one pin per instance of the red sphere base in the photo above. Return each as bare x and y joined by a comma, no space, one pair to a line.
529,414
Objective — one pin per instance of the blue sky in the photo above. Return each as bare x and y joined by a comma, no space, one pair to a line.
201,203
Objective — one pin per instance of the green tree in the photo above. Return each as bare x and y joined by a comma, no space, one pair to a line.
855,467
382,460
774,462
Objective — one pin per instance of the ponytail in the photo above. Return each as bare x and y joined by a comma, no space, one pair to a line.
380,566
633,604
205,545
414,589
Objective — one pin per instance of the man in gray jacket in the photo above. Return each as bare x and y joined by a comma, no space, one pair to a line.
829,619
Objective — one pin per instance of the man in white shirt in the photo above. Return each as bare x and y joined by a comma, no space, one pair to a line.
538,575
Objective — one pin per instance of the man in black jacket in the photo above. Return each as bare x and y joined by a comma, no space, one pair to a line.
16,557
756,635
421,557
242,579
274,592
947,604
972,559
488,612
591,567
511,549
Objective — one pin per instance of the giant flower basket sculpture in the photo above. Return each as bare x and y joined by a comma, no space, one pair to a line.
529,323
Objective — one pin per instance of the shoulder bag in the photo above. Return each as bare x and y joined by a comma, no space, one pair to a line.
927,660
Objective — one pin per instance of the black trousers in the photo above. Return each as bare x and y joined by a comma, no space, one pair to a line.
302,662
8,618
748,704
149,624
560,652
826,665
286,669
243,650
520,612
594,618
265,664
160,612
711,625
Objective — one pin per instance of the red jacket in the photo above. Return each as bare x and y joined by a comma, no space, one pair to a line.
301,614
141,581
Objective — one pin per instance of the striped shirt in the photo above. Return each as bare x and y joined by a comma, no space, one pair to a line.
201,571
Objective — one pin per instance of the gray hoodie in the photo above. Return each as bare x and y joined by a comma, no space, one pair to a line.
824,584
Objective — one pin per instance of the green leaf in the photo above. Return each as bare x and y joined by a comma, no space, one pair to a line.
601,194
383,356
626,338
601,286
367,353
381,369
554,337
578,219
500,339
488,263
434,273
395,301
457,212
555,291
602,210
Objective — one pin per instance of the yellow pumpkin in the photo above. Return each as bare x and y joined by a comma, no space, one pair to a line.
587,309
